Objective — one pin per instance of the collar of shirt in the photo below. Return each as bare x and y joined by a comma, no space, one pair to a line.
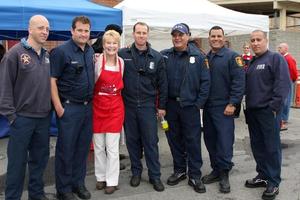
220,53
77,48
28,47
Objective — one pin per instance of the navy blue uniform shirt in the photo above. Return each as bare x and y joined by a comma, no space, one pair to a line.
188,76
267,81
74,70
144,77
227,78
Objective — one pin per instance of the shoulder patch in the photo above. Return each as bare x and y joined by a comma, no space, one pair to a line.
239,61
206,63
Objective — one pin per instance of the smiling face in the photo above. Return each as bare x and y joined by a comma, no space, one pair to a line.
81,33
180,40
140,35
110,45
216,39
38,29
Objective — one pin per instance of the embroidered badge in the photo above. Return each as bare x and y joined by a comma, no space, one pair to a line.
25,58
239,61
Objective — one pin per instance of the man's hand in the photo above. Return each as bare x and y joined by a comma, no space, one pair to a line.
161,113
229,110
60,112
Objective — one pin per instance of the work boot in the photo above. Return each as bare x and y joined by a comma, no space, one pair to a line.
270,193
197,184
175,178
224,182
256,182
213,177
157,185
135,181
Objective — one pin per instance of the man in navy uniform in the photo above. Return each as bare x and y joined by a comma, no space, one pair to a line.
267,86
25,100
226,93
188,89
145,82
72,84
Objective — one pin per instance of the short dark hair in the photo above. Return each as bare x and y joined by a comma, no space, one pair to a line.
216,28
142,24
261,31
82,19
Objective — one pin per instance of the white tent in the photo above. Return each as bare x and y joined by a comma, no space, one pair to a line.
200,15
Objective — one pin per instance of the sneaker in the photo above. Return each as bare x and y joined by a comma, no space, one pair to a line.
270,193
197,185
213,177
175,178
157,185
135,181
255,183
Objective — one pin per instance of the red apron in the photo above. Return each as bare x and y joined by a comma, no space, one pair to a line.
108,107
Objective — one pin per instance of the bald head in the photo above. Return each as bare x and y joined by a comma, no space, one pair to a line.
38,30
37,19
283,48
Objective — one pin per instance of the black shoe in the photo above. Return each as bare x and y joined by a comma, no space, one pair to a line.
135,181
175,178
255,183
43,197
82,192
211,178
157,185
122,166
197,185
66,196
270,193
224,182
122,156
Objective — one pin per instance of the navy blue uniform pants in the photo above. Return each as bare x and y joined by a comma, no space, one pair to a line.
264,130
218,137
141,133
28,143
184,138
72,147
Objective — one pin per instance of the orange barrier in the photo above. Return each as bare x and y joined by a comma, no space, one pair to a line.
296,103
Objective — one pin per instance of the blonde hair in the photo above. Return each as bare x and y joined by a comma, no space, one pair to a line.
111,34
246,44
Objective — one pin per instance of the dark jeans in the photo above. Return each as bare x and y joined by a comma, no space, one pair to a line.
184,138
72,147
28,143
218,137
141,133
264,130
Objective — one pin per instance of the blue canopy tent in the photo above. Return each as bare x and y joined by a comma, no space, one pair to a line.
15,14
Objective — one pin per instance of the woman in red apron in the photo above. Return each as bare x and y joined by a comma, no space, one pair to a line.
108,112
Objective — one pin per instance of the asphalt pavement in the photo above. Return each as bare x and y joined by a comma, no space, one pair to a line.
243,169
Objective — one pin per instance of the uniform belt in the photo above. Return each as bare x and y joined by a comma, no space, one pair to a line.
175,98
67,101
